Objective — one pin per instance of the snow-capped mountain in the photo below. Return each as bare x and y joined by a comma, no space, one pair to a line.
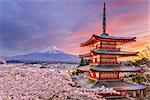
52,54
52,49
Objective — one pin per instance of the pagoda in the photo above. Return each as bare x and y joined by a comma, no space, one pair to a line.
105,69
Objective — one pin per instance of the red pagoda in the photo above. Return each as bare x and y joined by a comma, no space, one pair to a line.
105,70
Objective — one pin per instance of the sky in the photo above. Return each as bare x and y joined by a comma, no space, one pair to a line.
28,26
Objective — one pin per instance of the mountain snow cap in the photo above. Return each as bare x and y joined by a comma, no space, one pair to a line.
52,49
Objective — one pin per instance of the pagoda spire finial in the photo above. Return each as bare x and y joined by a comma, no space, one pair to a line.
104,19
104,22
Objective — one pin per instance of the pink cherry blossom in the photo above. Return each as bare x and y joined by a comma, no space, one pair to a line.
41,82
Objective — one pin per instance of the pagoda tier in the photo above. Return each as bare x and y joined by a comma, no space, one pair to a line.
108,72
106,56
116,68
107,53
119,85
115,84
109,68
106,38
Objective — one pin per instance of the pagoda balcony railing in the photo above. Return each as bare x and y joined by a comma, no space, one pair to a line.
109,48
110,79
110,62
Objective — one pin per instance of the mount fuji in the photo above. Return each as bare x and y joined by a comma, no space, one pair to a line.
50,55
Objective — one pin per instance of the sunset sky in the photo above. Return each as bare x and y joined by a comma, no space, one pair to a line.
28,26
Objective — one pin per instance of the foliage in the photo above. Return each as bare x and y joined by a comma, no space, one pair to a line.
145,53
138,79
143,58
141,78
75,72
138,62
148,77
84,62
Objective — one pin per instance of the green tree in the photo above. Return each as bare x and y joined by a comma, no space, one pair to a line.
143,58
84,62
145,53
138,79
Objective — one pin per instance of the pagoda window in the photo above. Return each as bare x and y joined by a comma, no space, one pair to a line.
96,45
97,75
94,60
98,60
98,56
99,42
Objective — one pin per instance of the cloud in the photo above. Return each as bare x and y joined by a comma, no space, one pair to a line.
33,25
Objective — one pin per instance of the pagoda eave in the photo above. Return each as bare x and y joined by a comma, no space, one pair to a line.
116,69
119,85
90,41
106,68
96,38
119,53
89,55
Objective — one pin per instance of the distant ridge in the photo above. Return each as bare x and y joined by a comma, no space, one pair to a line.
50,55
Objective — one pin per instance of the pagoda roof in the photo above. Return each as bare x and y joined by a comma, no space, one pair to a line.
95,38
110,52
113,52
115,84
110,68
115,67
119,85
